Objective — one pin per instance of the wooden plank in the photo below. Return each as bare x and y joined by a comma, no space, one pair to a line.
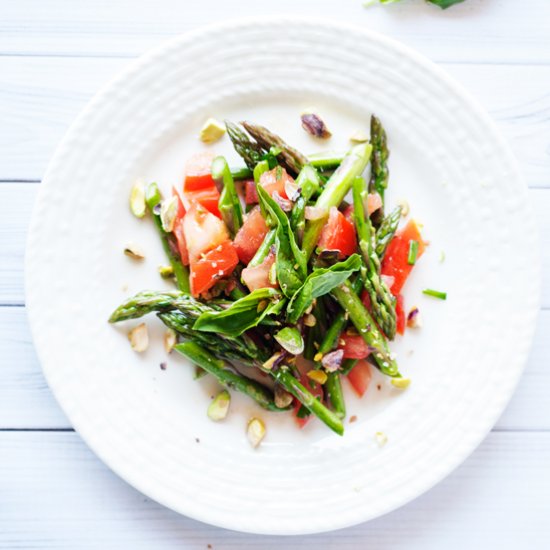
479,30
40,97
57,494
26,401
25,398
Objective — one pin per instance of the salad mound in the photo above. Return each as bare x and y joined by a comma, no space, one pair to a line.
289,271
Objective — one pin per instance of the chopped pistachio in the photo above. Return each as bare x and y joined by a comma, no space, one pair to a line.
359,136
219,407
282,398
169,340
381,438
168,213
405,208
137,200
166,271
268,365
134,252
211,131
318,376
401,383
310,320
255,431
139,338
272,274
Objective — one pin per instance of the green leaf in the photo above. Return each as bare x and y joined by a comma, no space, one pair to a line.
444,4
321,282
291,340
241,315
229,203
290,264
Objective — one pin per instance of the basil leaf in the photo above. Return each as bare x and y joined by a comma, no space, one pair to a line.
321,282
290,264
291,340
242,315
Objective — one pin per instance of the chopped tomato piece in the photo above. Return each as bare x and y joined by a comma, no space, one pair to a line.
203,231
338,234
360,377
317,391
275,180
207,197
207,269
400,314
258,277
395,263
181,209
354,346
198,172
250,193
251,235
179,233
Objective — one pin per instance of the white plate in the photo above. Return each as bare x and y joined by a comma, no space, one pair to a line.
150,426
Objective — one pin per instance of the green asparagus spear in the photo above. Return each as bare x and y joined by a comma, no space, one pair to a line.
327,160
367,328
229,203
250,151
382,304
153,198
241,349
353,165
289,157
309,183
241,173
379,164
149,301
293,386
226,377
387,230
335,394
264,249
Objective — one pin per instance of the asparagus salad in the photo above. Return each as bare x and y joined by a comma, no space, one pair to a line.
289,271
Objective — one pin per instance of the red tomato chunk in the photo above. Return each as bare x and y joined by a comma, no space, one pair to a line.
250,236
338,234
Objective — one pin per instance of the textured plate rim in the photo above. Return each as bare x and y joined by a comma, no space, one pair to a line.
412,56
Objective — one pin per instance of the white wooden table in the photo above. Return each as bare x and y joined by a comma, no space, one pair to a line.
54,493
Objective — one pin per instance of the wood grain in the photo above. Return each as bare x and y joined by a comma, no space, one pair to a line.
501,31
40,97
57,494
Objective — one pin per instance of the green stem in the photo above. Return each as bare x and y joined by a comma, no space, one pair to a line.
241,173
264,249
335,394
169,244
294,387
327,160
367,328
336,188
226,377
382,307
229,202
309,183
